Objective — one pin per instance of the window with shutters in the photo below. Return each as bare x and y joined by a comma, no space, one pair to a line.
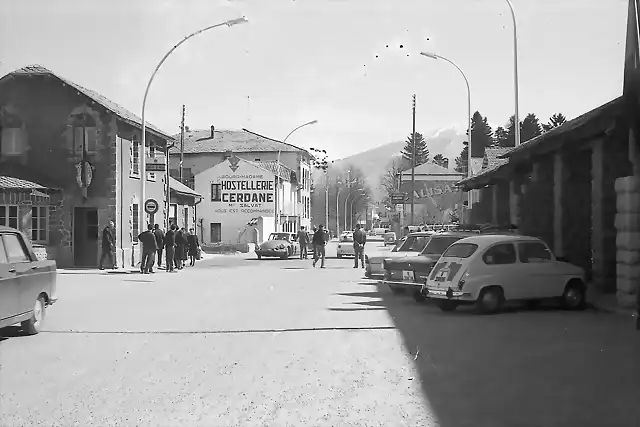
134,159
216,193
135,222
85,138
39,223
13,141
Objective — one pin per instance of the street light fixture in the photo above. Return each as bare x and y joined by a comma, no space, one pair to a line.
142,156
348,185
435,56
515,71
354,201
345,205
277,210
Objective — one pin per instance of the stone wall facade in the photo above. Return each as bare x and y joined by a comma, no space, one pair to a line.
627,224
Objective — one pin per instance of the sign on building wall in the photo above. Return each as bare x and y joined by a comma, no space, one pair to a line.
244,193
435,200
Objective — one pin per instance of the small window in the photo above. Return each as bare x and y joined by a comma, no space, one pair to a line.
216,195
500,254
437,245
135,158
460,250
87,140
9,216
15,249
13,141
533,252
135,221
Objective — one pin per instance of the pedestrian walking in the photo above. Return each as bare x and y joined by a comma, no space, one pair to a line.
169,247
319,242
193,246
109,246
181,244
185,249
159,235
149,249
313,245
303,241
359,240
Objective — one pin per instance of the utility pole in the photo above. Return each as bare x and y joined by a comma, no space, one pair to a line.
182,143
326,200
413,160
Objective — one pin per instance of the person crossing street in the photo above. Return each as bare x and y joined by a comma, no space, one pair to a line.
303,241
319,242
359,240
149,249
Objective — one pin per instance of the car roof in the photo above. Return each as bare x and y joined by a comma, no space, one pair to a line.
454,233
5,228
484,240
421,233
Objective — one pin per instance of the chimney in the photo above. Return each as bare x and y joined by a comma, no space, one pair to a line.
213,129
445,163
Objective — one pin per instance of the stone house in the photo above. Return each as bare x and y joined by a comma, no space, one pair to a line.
74,157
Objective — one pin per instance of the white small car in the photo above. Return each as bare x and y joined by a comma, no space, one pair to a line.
345,245
488,270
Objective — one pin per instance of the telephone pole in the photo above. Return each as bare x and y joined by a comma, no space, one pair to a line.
182,143
413,160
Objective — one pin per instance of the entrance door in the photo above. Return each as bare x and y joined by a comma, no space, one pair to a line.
216,232
85,237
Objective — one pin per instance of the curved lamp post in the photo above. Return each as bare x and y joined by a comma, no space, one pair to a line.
142,155
469,171
277,207
345,206
356,199
515,71
338,207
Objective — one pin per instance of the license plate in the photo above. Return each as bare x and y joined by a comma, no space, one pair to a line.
408,275
442,275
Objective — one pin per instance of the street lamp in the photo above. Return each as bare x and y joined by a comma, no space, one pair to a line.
352,202
515,70
277,210
142,156
345,206
435,56
348,185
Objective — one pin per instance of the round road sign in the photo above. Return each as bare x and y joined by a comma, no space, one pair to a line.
151,206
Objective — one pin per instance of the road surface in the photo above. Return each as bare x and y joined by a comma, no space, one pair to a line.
242,342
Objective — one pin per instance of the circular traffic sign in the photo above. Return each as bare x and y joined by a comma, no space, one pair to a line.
151,206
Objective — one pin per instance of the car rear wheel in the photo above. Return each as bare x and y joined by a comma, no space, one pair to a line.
490,300
574,297
447,305
34,324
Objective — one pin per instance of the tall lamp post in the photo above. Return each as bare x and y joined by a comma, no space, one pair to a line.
469,171
352,202
277,206
349,183
345,206
515,71
142,155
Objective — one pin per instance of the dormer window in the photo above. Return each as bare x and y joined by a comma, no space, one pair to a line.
13,138
85,134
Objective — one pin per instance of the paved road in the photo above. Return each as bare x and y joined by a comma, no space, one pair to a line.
240,342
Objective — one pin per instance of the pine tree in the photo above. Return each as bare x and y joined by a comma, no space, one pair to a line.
530,128
507,137
481,135
439,159
556,120
422,152
461,160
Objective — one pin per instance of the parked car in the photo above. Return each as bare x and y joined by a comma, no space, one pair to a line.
410,272
489,270
27,284
412,245
279,245
390,238
345,245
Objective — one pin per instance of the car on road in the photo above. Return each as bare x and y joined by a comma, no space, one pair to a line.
411,272
489,270
278,245
27,284
413,244
345,245
390,238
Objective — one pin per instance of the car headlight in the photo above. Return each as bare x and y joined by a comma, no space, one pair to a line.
281,247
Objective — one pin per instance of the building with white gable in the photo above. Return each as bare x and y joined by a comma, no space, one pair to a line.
240,199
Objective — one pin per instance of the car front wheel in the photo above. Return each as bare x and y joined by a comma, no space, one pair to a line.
34,324
574,297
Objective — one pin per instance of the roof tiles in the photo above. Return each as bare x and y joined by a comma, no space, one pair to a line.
237,141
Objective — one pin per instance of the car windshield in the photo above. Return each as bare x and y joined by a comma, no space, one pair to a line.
461,250
414,244
279,236
438,244
347,238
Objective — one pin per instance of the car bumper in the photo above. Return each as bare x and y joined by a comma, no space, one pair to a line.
448,294
403,284
375,269
279,252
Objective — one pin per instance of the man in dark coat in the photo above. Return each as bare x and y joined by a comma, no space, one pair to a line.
159,235
319,240
169,247
181,244
193,246
359,240
109,246
303,241
149,248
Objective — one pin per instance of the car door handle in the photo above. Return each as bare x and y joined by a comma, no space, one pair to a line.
12,270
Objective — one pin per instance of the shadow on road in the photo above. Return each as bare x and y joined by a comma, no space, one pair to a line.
543,367
10,332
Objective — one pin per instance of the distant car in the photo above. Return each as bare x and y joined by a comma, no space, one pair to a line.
27,284
278,245
488,270
411,272
411,246
390,238
345,245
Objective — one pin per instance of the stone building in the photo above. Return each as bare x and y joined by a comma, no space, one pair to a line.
70,162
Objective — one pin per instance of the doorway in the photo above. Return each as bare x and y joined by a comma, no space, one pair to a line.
216,231
85,237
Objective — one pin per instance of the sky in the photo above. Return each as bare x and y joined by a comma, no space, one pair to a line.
339,62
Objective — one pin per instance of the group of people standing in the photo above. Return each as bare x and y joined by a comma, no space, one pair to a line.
319,240
178,245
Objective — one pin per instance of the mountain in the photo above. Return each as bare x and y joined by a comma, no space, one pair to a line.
376,161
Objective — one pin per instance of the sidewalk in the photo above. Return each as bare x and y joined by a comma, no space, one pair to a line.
607,303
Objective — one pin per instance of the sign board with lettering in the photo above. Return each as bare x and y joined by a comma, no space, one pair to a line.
244,193
398,197
155,165
435,200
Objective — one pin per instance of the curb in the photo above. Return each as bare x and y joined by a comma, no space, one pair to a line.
611,310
